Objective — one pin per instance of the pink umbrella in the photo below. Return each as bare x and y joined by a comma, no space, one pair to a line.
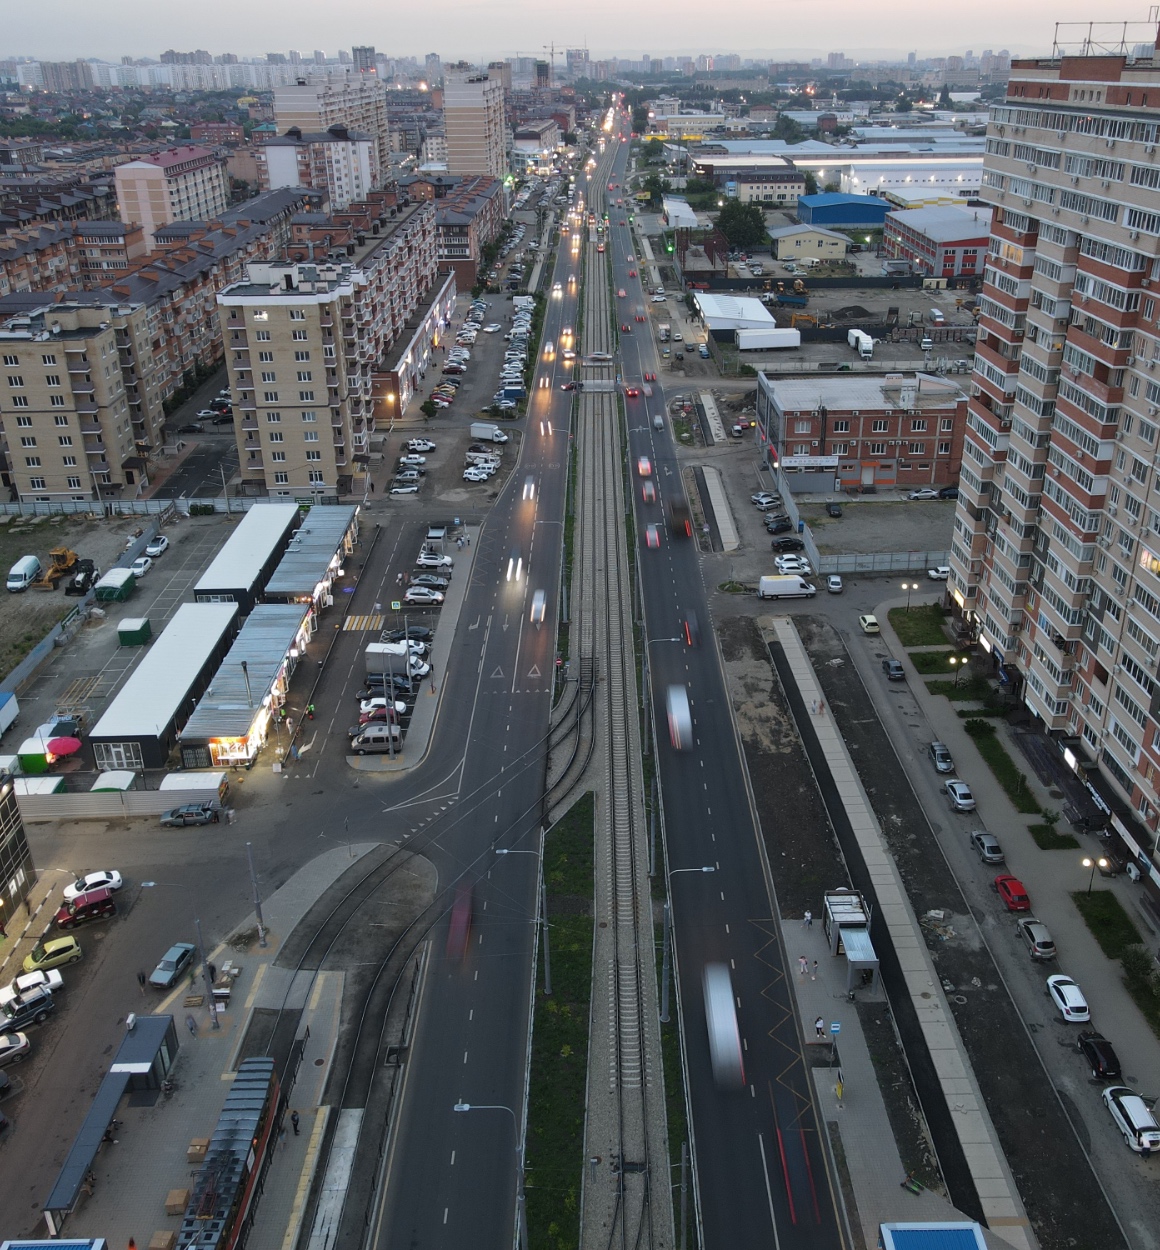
64,746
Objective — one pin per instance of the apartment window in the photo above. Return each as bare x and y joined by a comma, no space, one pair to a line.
300,336
74,483
60,419
29,440
24,422
918,427
841,427
316,477
878,449
270,397
260,315
802,427
301,356
880,427
263,336
278,457
52,379
314,455
944,449
296,314
265,358
15,380
917,449
310,436
36,483
65,440
69,461
306,397
19,401
946,425
10,361
268,375
304,375
32,462
56,401
281,479
276,436
840,449
310,416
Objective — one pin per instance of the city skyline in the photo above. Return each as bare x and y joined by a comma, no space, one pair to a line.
502,29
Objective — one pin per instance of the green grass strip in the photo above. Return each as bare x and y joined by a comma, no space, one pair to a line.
922,626
1109,923
1013,781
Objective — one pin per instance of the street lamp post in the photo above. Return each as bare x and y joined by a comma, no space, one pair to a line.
665,941
1093,864
521,1221
909,587
958,665
543,893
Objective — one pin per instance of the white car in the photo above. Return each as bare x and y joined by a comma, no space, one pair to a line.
939,574
140,566
405,488
493,328
158,547
959,793
421,595
475,475
379,703
106,879
1068,997
834,584
658,299
792,564
420,444
413,460
50,980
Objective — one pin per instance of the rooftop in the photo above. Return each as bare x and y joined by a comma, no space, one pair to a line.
945,224
315,544
864,392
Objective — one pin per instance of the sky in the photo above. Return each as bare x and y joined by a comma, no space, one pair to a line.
484,30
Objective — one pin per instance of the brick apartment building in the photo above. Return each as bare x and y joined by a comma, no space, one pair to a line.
1056,552
942,242
64,255
180,184
468,218
337,161
856,432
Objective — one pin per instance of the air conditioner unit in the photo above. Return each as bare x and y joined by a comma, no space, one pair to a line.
1106,183
1062,136
1112,509
1151,410
1075,180
1150,149
1032,169
1143,281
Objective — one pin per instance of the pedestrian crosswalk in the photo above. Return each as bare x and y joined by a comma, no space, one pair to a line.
364,621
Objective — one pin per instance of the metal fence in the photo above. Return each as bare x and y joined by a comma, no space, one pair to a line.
107,804
883,562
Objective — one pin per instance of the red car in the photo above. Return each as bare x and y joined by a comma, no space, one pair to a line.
632,273
632,391
650,377
626,328
1012,892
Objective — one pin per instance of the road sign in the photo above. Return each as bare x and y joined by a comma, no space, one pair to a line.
835,1028
396,605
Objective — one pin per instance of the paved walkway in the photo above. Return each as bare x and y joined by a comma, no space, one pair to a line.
874,1167
149,1158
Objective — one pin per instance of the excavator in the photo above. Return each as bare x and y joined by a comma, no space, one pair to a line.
63,562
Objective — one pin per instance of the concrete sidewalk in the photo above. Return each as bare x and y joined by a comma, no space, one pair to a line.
875,1168
149,1159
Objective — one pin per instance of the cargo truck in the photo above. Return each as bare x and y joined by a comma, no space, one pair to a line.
775,339
9,710
862,343
487,432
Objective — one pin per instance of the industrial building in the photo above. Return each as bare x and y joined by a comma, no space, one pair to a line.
939,242
802,242
723,315
836,211
240,570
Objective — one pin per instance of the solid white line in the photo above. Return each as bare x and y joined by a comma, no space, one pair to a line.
768,1192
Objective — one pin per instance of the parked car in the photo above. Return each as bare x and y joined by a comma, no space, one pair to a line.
939,574
106,879
431,581
433,560
1133,1118
949,492
834,584
833,509
1013,892
941,757
986,846
404,488
190,427
1100,1055
416,633
783,527
32,1008
158,547
173,963
925,493
140,566
52,954
959,793
13,1048
1068,997
894,670
420,444
787,544
868,623
422,595
1040,944
189,814
29,981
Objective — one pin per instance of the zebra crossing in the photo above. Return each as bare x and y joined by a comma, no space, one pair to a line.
364,621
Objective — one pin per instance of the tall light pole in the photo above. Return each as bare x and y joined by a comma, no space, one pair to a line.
909,587
521,1221
958,665
257,896
543,893
1093,864
666,940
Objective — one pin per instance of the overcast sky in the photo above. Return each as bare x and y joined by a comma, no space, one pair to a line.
481,30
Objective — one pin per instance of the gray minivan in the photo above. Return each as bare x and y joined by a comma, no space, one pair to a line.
376,738
23,573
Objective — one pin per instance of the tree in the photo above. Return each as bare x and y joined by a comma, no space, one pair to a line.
742,224
653,151
811,182
788,130
640,119
944,98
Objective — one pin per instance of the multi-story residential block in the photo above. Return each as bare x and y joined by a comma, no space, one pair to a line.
217,132
66,77
64,406
777,188
848,433
473,115
1056,549
468,217
302,344
179,184
356,101
945,242
338,161
30,199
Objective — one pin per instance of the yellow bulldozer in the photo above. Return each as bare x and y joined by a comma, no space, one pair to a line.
63,562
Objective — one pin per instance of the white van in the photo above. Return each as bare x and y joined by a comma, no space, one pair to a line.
23,573
785,586
376,737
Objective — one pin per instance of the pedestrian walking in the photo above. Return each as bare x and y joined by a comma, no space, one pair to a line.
803,965
294,1121
814,976
191,1025
212,970
808,920
141,979
372,488
819,1028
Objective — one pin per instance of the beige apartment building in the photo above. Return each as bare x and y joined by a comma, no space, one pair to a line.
179,184
357,102
1056,547
68,374
473,118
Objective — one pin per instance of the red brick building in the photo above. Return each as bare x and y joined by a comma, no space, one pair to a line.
942,242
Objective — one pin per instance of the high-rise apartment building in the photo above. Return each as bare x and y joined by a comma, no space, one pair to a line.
1056,548
338,161
180,184
356,101
364,58
473,116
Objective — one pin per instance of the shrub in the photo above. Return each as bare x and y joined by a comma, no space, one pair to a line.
980,729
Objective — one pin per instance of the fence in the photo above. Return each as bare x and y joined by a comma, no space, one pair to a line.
106,804
883,562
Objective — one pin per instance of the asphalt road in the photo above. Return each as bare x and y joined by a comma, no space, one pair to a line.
451,1178
761,1174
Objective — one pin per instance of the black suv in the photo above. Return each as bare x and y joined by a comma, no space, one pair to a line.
34,1007
787,544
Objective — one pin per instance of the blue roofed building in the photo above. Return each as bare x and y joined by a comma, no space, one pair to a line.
836,211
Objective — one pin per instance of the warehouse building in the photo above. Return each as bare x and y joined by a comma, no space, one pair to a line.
315,558
242,568
836,211
723,315
939,242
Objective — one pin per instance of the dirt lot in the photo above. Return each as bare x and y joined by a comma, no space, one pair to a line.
26,618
